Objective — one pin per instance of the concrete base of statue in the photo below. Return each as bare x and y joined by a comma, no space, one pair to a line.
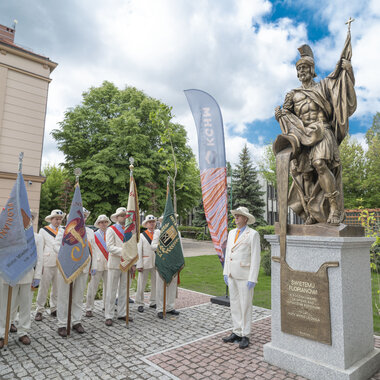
352,355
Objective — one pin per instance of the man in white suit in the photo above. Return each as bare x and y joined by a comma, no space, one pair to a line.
241,269
79,285
49,271
145,263
100,254
22,296
117,279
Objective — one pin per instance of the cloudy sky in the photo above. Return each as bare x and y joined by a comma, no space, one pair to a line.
240,51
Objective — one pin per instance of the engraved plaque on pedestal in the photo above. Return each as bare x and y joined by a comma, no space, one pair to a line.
305,303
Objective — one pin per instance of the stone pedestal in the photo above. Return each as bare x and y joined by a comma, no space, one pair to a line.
352,355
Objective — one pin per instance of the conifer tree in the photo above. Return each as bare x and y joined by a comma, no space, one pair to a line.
246,190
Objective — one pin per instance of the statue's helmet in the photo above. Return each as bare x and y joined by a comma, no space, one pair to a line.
307,57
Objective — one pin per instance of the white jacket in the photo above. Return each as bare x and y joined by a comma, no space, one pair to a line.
101,262
114,246
146,251
49,254
36,272
242,260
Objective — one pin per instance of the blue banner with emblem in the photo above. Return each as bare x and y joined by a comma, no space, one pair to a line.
18,253
74,253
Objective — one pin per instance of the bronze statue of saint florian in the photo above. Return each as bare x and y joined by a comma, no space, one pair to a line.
314,121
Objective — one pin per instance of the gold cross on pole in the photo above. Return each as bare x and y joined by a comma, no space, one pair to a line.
349,21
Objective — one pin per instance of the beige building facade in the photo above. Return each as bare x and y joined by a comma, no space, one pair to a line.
24,85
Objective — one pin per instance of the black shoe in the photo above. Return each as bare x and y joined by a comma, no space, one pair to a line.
131,300
153,306
232,338
140,309
62,332
160,315
53,313
78,328
173,312
13,328
244,342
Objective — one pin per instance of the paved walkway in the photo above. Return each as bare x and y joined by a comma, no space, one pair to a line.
192,247
185,347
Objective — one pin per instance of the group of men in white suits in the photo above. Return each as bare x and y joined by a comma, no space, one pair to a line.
241,268
105,245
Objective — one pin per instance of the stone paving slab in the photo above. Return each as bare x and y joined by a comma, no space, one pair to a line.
186,298
210,358
141,351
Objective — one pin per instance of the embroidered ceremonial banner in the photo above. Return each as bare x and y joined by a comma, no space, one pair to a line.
101,243
18,253
212,164
74,253
129,253
169,254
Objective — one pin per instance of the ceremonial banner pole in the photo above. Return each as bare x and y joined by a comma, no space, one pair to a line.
77,173
164,304
10,288
8,316
175,216
69,310
127,303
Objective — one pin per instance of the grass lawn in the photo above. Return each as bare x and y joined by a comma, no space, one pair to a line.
204,274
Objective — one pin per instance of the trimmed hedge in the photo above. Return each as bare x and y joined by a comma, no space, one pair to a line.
264,230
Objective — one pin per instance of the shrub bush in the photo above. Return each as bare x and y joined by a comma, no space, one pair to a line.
264,230
266,262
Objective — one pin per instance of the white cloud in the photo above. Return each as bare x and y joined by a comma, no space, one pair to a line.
227,48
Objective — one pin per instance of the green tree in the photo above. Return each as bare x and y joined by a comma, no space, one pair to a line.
267,165
199,215
111,125
372,181
246,190
353,172
56,191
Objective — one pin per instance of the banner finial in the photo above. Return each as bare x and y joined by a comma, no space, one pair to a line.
20,158
77,172
131,161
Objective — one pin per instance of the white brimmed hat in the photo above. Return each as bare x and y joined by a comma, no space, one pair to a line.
149,218
119,211
244,211
86,213
55,214
102,218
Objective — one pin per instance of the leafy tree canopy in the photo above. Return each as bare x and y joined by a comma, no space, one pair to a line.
56,192
109,127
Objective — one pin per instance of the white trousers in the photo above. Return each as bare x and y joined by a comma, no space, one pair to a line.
241,306
93,288
170,293
22,297
49,277
79,285
116,282
141,283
